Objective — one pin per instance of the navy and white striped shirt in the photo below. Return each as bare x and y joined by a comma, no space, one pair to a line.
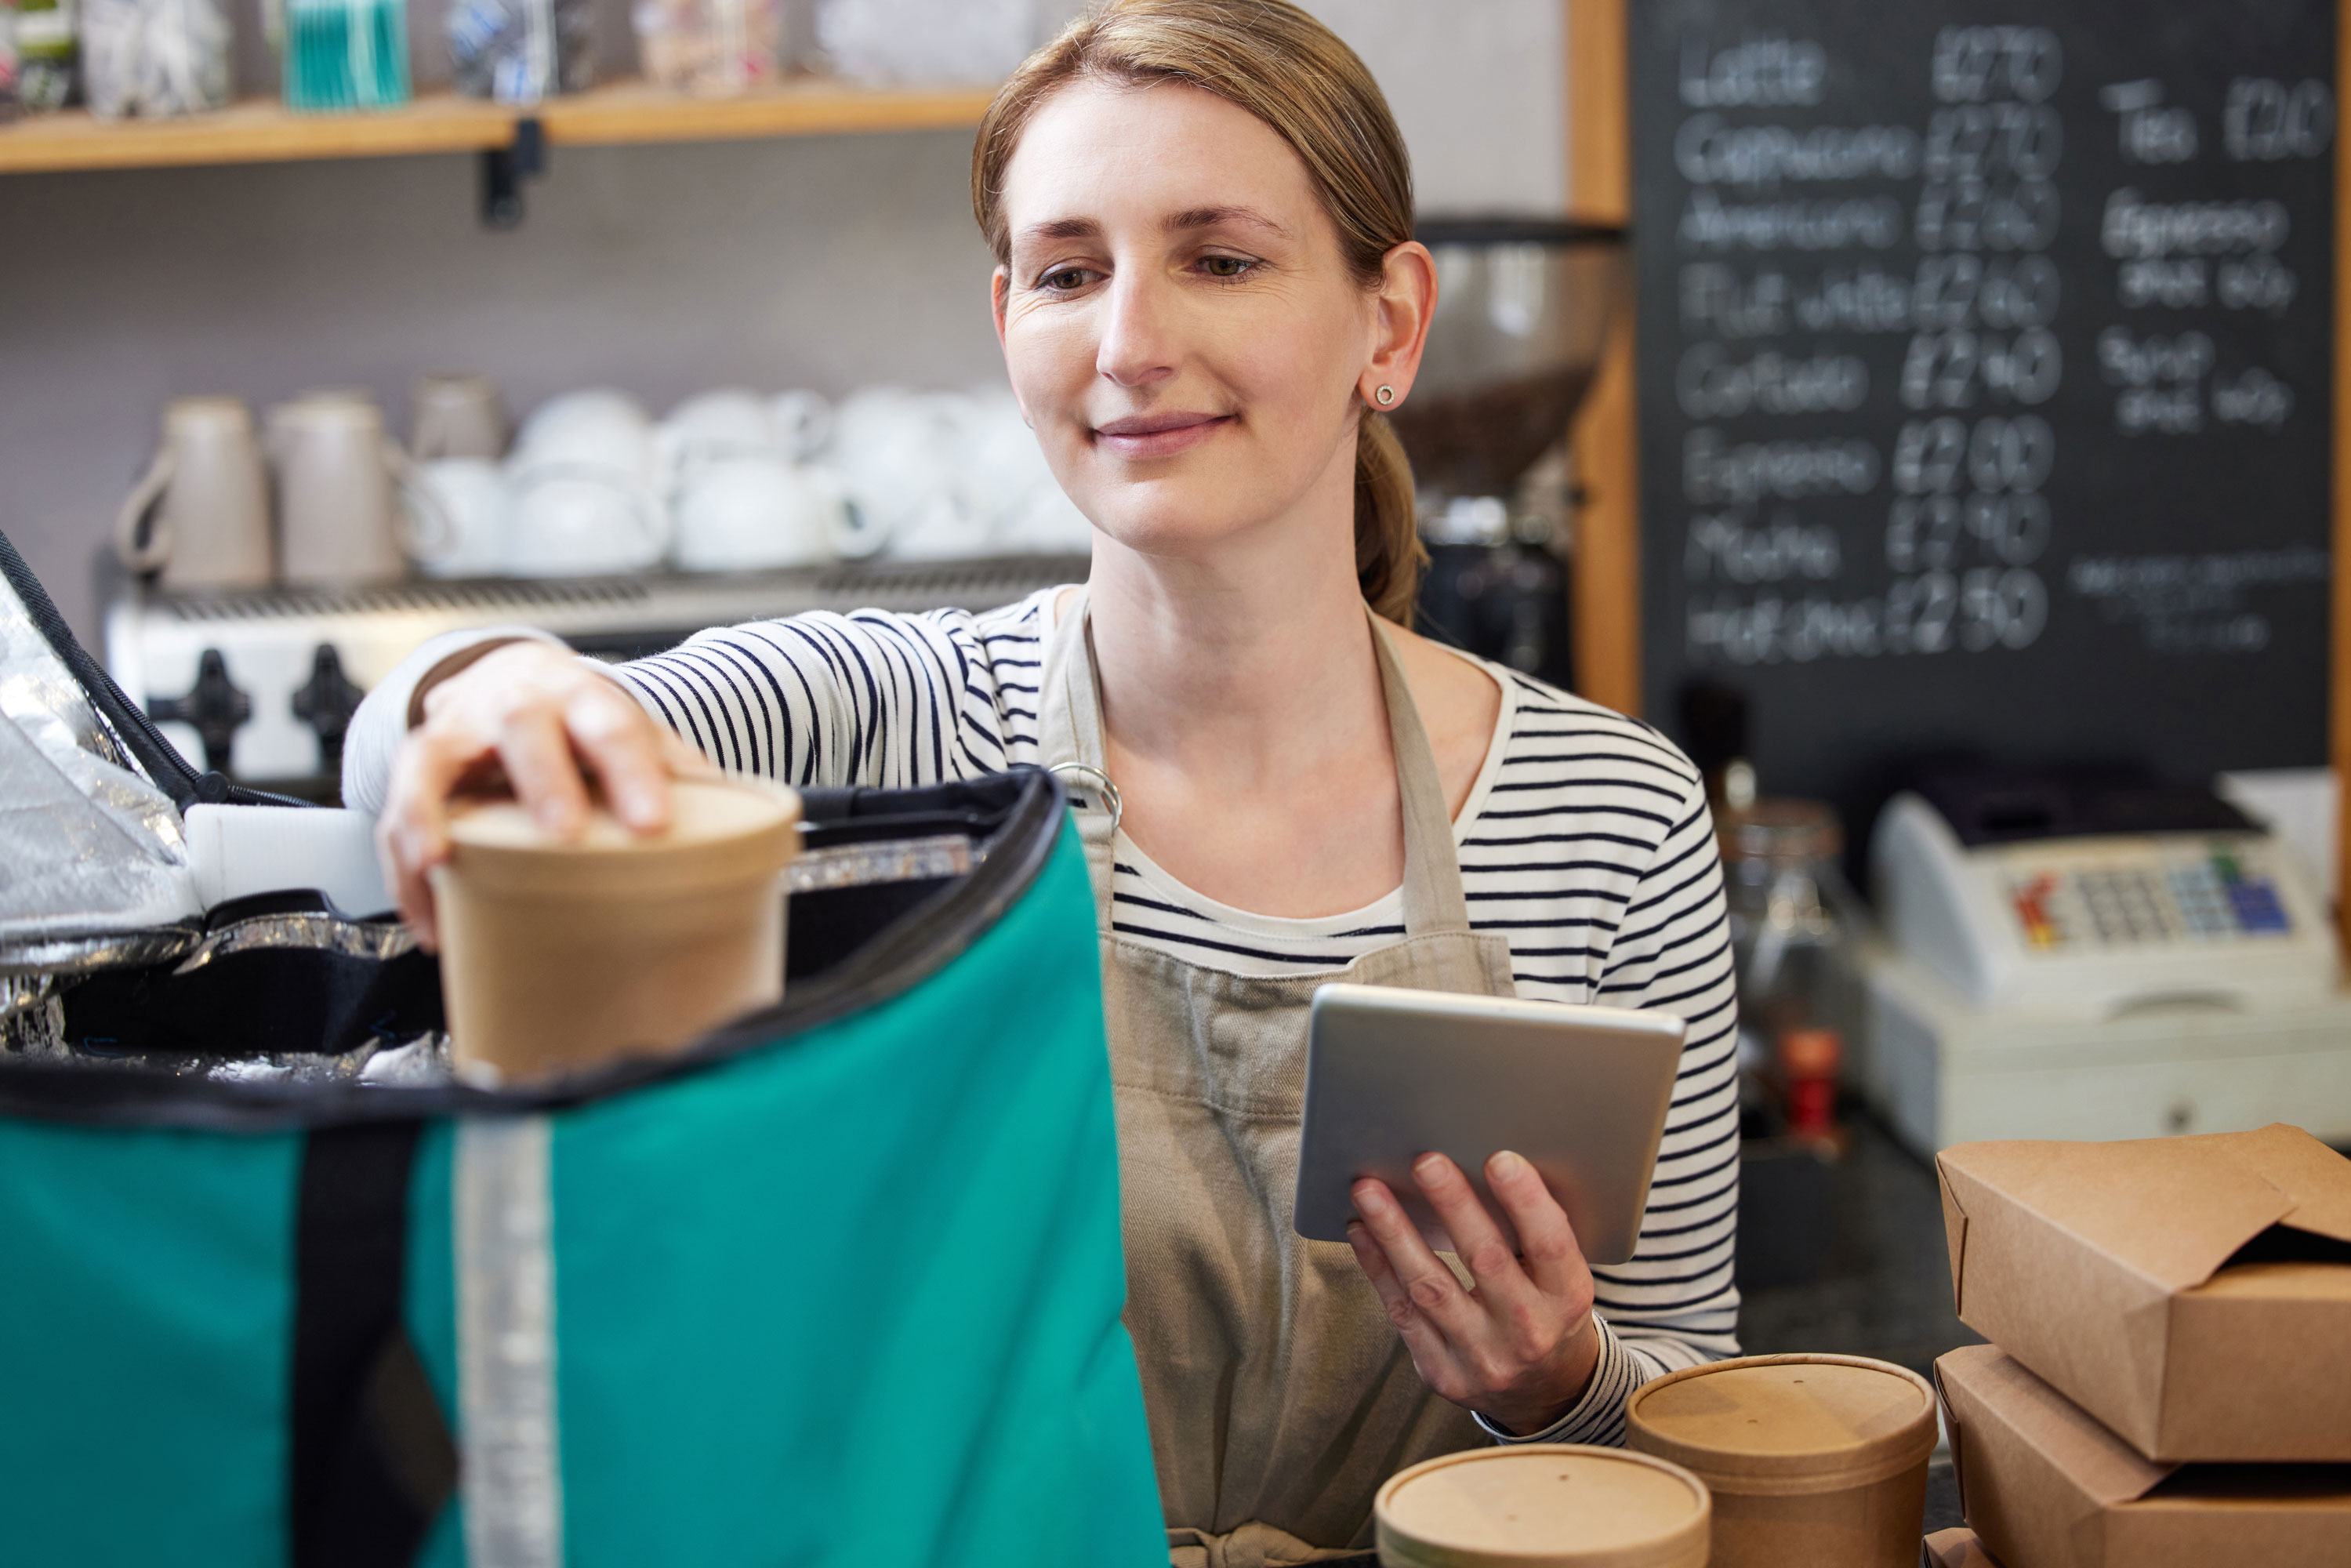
1585,843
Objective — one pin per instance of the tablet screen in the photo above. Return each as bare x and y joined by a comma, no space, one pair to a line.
1580,1092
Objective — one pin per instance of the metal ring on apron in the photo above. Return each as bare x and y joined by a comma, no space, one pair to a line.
1097,780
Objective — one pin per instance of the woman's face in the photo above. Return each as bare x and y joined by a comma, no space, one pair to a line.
1180,324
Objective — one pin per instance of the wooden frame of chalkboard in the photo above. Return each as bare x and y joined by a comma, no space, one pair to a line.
1604,617
1984,378
2339,687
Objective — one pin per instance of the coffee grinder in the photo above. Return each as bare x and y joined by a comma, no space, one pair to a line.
1524,307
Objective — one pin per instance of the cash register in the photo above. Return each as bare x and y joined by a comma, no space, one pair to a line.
2086,958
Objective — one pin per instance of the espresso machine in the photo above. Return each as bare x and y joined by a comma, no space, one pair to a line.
1524,307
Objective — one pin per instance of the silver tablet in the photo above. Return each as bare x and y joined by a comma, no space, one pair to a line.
1579,1092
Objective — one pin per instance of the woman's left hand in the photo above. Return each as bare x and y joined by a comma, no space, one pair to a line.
1519,1345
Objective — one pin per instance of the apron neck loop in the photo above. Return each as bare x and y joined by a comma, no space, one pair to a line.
1069,742
1432,899
1071,745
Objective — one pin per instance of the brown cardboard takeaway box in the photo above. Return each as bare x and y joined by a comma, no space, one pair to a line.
1956,1548
2192,1293
2046,1487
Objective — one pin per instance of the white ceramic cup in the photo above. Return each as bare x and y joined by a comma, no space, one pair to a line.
340,478
578,520
896,452
584,483
760,514
1001,472
942,530
726,421
1005,479
473,498
201,513
709,429
596,429
456,416
802,421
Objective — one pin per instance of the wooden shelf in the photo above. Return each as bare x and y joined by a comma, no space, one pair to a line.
256,131
632,111
265,131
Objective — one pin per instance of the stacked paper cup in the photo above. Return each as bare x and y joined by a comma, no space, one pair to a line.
1542,1505
1813,1459
559,955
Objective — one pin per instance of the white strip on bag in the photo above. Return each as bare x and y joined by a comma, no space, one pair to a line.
511,1478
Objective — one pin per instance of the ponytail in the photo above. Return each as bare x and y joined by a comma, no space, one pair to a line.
1388,553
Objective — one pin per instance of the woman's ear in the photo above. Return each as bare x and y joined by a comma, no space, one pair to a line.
1405,300
998,287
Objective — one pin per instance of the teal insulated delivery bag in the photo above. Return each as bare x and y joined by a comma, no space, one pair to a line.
841,1285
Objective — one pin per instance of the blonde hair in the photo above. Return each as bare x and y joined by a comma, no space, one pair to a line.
1291,72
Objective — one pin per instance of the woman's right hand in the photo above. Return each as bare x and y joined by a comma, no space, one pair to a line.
542,717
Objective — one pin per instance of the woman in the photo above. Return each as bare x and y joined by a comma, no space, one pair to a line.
1206,290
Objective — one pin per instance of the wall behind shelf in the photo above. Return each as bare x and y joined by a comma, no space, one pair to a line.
830,262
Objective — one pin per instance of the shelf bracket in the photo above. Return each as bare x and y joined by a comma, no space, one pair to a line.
503,168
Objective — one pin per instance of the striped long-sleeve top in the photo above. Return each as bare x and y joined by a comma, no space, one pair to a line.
1585,843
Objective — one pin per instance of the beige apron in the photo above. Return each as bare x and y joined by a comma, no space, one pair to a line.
1280,1395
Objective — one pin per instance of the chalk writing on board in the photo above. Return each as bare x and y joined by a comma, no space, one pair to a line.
2193,605
1967,525
1984,374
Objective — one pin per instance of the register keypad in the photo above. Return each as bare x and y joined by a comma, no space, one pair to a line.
2214,896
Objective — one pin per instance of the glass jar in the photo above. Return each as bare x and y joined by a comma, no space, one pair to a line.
343,55
521,51
935,43
45,55
1791,924
709,49
154,58
7,62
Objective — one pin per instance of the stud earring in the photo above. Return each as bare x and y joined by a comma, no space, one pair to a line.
1386,395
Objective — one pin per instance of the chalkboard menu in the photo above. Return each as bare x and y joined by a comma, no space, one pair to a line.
1985,379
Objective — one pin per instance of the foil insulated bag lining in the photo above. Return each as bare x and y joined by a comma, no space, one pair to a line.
93,860
841,1284
107,950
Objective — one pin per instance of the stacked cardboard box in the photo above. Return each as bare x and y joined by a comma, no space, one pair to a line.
2169,1377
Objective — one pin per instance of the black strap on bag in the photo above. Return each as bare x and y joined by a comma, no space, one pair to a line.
372,1460
134,730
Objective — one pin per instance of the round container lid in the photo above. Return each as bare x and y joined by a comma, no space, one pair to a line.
1544,1505
721,830
1779,1424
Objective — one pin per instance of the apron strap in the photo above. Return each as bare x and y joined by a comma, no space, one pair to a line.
1069,742
1432,899
1071,746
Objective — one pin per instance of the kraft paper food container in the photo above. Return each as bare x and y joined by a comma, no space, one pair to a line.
2044,1486
1958,1548
2194,1295
561,955
1817,1460
1542,1505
